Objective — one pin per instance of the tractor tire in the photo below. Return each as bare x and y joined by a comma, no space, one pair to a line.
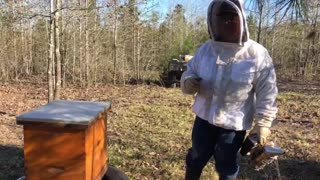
114,174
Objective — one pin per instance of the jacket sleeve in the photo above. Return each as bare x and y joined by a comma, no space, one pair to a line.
191,72
266,92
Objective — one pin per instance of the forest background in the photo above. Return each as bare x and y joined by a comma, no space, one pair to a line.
94,50
88,42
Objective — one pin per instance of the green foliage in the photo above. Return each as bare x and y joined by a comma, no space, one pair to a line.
182,37
297,9
188,46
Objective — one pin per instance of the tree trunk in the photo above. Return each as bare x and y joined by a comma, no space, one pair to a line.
29,64
284,37
138,53
307,59
2,54
57,48
261,7
80,47
115,32
300,58
123,67
64,47
51,53
15,67
97,49
87,53
317,70
274,32
134,50
315,50
74,56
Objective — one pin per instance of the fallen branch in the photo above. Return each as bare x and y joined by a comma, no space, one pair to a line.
5,113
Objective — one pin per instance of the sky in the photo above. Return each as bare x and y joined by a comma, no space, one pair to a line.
165,6
196,7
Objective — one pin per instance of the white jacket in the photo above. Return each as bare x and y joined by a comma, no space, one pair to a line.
238,82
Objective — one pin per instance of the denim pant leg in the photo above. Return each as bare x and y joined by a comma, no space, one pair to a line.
225,154
203,142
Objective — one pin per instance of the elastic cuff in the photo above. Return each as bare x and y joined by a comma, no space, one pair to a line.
264,122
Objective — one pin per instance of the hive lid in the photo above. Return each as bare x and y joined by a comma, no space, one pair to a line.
65,112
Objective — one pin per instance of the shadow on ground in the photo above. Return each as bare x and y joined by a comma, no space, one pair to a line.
299,87
290,169
11,162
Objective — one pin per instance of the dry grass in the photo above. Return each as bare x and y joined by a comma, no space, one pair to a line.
149,131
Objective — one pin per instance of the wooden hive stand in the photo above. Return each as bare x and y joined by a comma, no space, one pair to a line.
65,140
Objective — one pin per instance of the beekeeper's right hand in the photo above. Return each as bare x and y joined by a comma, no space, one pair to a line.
192,84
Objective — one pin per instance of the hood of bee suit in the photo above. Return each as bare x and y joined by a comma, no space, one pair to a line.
234,6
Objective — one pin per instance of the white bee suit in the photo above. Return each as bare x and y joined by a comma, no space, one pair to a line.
238,80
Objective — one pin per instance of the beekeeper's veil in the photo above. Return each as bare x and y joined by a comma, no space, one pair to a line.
219,9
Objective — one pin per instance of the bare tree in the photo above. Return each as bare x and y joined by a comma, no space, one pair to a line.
87,51
57,49
51,58
115,37
89,41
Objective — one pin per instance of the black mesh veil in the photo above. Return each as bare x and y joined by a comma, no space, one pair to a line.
226,6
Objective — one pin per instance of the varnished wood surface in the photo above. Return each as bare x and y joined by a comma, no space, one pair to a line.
60,153
89,151
54,154
99,144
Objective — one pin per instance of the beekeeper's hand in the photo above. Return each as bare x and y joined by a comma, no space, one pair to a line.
192,84
262,133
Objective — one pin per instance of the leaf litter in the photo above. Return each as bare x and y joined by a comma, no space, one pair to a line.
149,130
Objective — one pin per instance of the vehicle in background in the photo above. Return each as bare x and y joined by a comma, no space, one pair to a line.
175,69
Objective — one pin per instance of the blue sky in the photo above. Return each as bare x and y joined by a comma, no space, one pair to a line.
192,6
164,6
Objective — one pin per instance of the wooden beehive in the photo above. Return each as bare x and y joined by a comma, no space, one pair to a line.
65,140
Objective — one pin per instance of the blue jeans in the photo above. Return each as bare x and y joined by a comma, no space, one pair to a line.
209,140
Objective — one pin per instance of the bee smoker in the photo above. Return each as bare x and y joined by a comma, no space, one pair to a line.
259,155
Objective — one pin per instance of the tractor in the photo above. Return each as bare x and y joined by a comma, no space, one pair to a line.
175,69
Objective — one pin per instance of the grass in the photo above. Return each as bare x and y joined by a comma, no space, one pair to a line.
149,131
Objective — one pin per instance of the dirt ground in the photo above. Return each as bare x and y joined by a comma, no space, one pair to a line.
150,126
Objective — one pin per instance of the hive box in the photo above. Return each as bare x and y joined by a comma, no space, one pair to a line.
65,140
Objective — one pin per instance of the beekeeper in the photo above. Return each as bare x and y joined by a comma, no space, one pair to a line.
234,80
